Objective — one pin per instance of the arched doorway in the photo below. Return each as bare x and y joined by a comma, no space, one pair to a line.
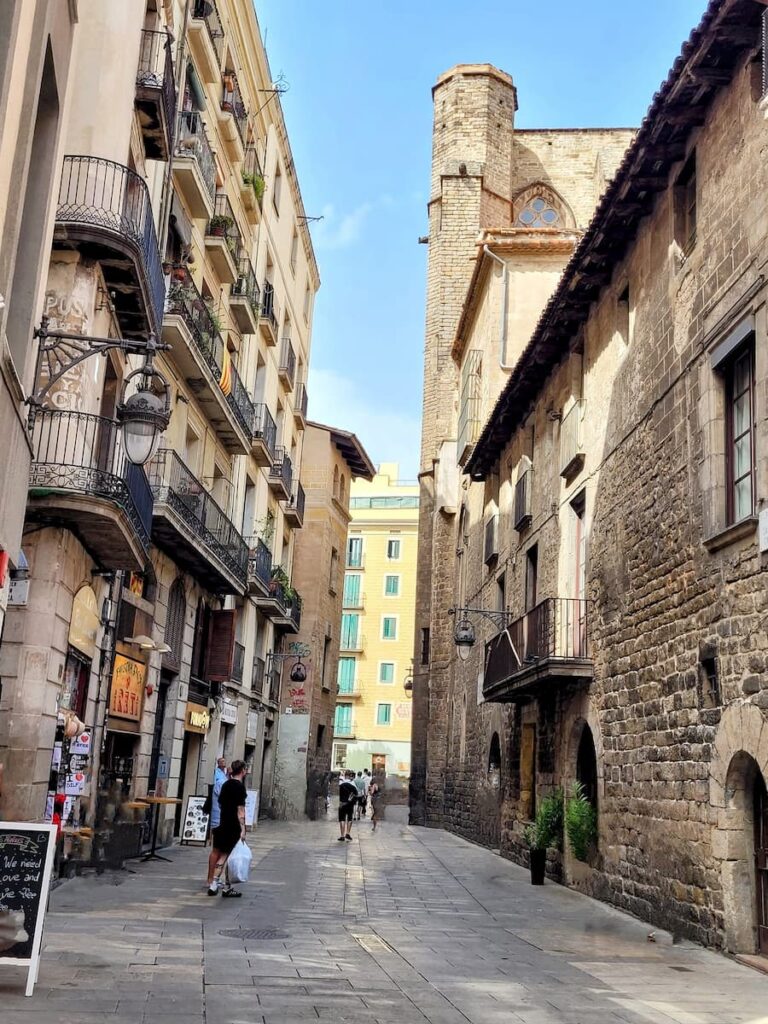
760,819
586,765
745,868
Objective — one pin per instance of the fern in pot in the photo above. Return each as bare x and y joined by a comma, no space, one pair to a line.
580,822
545,832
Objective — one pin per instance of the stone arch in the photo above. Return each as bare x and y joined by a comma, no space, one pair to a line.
494,758
540,206
582,713
739,765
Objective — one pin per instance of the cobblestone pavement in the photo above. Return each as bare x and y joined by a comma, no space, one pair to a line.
404,926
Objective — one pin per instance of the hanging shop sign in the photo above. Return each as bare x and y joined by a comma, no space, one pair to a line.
228,712
127,688
197,718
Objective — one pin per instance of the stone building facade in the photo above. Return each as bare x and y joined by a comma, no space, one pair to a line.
334,458
613,514
156,595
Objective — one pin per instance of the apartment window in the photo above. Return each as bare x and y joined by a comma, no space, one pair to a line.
340,755
342,725
277,187
685,205
326,661
345,678
393,550
355,552
386,672
392,586
351,598
425,646
389,627
294,250
350,635
469,404
531,577
334,573
307,301
740,433
383,714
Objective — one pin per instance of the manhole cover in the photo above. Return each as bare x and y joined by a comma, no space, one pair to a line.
254,933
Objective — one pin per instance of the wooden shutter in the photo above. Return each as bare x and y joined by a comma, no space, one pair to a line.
221,646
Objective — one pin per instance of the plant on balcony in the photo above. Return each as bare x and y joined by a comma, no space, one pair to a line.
258,186
580,822
280,578
214,315
220,225
545,832
265,528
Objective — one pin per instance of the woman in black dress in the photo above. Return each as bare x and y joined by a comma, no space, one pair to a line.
231,827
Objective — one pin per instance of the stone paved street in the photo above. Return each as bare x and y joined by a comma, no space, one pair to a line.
407,926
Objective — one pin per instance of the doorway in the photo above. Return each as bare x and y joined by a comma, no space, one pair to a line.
760,814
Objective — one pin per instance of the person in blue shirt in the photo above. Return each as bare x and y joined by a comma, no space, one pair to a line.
220,776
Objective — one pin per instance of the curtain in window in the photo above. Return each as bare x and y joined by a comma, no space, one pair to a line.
387,672
391,586
355,551
343,723
349,630
346,675
352,590
390,628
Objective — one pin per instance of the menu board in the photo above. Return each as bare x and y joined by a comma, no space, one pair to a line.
195,825
251,807
26,859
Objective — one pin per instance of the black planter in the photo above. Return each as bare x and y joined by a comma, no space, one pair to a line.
538,866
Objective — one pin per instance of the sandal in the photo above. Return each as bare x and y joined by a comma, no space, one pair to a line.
231,894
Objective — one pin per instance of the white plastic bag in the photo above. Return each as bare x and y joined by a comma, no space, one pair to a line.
239,863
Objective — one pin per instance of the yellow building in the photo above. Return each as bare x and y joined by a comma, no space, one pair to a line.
372,727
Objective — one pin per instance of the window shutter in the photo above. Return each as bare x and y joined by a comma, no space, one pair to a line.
174,626
221,646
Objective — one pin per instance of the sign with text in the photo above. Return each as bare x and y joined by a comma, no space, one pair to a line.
251,807
195,827
197,718
26,859
127,688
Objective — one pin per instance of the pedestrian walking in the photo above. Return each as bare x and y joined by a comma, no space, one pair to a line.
374,796
367,780
347,801
229,831
361,798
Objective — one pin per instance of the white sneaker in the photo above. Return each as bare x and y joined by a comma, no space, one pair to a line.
213,888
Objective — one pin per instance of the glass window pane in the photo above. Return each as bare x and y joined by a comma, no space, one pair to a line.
742,503
742,460
383,714
346,675
387,672
741,415
741,373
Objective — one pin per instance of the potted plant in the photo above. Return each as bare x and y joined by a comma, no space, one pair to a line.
248,178
258,186
282,584
220,224
580,822
545,831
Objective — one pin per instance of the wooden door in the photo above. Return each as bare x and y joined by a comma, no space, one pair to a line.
761,862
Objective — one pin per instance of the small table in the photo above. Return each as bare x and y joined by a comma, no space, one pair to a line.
157,801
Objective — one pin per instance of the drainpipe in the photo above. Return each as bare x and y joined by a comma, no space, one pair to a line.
504,308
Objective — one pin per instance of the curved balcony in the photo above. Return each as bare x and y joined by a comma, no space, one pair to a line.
104,212
81,479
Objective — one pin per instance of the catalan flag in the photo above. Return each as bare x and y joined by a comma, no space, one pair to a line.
226,372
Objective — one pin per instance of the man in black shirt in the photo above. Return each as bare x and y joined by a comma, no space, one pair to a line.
347,801
231,828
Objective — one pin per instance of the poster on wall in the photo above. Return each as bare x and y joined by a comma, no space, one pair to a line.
127,688
195,826
251,808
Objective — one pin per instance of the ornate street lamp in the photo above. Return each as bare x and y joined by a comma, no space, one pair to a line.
464,633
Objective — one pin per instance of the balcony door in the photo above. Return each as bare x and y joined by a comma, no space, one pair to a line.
349,632
574,619
352,590
343,722
355,552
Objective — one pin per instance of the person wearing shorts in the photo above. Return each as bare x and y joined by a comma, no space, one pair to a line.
347,801
230,830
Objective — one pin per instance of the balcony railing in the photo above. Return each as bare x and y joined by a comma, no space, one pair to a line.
259,561
185,300
240,402
100,198
348,689
155,77
297,501
252,170
232,103
193,142
354,560
77,452
300,406
268,304
174,485
238,662
571,444
523,496
207,10
293,608
246,284
264,428
491,547
548,642
282,469
352,642
275,677
287,365
257,679
223,225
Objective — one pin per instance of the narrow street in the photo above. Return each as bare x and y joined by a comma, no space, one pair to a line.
404,926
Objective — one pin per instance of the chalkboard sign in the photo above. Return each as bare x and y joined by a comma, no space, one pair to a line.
26,859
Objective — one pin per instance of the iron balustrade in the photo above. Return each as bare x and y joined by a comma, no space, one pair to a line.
347,688
287,360
282,468
523,496
246,284
259,561
301,401
571,446
173,484
491,550
352,642
293,608
78,452
193,142
253,169
297,499
223,225
257,679
232,102
556,628
155,69
207,10
275,678
185,300
238,662
102,194
268,304
239,401
264,428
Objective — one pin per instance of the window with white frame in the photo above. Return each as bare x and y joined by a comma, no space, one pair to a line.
391,586
393,549
383,714
386,671
389,627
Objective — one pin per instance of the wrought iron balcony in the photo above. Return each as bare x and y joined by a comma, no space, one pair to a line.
293,509
289,616
206,38
491,548
546,646
198,351
191,527
300,405
259,565
245,297
523,499
352,642
275,673
81,478
156,94
104,211
252,183
257,679
233,108
286,369
263,436
281,474
349,690
238,662
571,442
268,320
194,166
223,240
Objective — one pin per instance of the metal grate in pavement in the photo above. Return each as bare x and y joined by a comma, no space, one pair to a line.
254,933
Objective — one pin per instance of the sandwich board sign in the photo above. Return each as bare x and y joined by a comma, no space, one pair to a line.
195,828
26,862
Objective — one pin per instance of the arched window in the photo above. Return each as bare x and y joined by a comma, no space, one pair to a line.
174,623
539,206
494,761
586,765
538,213
335,481
342,489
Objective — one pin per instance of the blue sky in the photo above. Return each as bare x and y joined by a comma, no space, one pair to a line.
359,117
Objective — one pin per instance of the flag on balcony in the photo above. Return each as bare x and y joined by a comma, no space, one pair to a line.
226,372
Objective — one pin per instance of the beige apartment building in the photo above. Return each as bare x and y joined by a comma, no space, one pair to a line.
334,464
610,530
156,595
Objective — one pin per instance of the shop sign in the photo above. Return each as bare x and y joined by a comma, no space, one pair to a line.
84,622
197,719
127,688
228,712
252,725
